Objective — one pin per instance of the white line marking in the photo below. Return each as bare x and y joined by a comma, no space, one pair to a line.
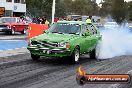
23,47
1,50
10,49
17,48
12,40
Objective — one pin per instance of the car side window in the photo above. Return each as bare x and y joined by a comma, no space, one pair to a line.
85,29
92,29
20,20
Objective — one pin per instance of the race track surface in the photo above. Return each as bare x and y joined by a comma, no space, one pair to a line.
58,73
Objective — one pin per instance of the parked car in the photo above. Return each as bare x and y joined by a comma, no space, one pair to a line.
13,24
111,25
66,39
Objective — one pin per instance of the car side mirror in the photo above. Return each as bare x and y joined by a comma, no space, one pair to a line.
45,31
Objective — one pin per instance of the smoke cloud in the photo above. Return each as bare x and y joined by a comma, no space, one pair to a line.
115,42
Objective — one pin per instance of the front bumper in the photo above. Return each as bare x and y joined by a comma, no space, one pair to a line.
5,30
49,52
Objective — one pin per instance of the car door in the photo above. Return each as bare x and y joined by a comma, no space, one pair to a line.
94,35
19,25
86,40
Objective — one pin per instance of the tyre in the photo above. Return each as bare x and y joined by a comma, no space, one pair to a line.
35,57
94,54
75,55
12,32
24,31
98,50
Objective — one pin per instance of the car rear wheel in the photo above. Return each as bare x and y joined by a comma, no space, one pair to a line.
35,57
98,49
24,31
94,54
75,55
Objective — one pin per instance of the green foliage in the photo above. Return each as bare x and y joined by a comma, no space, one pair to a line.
130,10
85,7
39,7
63,7
119,10
106,8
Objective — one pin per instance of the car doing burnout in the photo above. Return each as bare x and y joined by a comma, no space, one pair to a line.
66,39
12,24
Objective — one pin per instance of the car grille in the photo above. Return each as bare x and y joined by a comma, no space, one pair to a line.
3,25
35,42
44,43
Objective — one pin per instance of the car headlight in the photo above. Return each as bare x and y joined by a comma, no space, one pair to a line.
9,26
64,45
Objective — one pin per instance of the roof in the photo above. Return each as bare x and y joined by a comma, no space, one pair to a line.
72,22
10,17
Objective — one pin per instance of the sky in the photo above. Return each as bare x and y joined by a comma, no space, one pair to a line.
98,1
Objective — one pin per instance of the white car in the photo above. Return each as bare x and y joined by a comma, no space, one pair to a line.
111,25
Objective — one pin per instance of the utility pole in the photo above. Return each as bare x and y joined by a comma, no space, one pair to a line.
53,11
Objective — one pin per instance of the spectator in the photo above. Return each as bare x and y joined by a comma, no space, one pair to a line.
38,20
47,22
89,20
43,20
34,20
56,19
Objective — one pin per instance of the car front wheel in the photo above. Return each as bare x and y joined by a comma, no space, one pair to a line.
35,57
12,32
75,55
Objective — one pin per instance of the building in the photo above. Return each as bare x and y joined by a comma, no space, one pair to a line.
13,7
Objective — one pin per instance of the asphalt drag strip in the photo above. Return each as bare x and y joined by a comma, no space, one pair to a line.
57,73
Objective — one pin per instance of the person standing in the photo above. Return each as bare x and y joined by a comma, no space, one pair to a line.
89,19
38,20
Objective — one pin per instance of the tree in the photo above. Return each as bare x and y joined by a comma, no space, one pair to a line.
106,7
60,9
63,7
130,10
119,10
39,7
84,7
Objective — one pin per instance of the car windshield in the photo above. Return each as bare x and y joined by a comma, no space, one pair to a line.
7,20
65,28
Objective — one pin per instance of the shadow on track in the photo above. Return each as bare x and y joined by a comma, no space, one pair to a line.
65,61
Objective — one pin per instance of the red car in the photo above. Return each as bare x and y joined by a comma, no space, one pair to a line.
13,24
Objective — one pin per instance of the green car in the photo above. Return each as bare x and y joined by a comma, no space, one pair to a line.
66,39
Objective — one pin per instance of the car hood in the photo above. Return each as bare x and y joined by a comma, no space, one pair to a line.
5,23
55,37
8,23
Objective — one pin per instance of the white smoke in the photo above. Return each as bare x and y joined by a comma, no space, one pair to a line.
115,42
